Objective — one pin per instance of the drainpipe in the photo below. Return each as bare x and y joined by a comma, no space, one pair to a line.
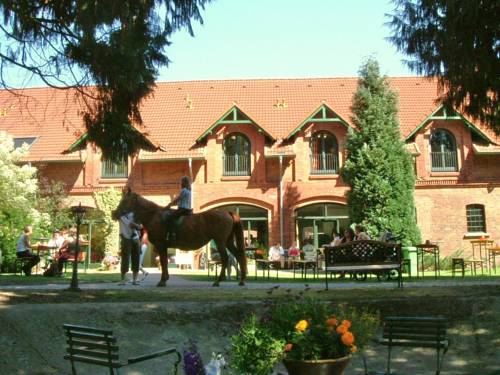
281,200
190,160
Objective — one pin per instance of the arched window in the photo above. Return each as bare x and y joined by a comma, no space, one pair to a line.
443,151
236,159
475,218
324,153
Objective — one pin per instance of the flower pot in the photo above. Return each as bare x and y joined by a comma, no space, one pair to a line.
318,367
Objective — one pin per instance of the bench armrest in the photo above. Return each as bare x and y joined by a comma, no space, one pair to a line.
160,353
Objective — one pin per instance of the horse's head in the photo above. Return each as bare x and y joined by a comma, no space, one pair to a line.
126,204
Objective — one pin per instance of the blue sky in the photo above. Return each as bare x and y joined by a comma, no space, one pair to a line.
278,39
284,39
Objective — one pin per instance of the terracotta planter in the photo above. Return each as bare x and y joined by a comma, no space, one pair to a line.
319,367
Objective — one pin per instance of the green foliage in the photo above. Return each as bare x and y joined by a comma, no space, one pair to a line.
378,168
298,327
458,42
51,199
254,350
106,202
118,46
18,192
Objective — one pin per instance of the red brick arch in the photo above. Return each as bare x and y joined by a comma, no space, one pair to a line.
237,200
319,199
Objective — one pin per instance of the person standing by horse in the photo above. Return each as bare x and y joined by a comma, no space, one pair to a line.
184,207
130,248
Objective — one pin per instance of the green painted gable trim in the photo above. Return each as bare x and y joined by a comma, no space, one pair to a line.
234,116
81,142
445,116
324,118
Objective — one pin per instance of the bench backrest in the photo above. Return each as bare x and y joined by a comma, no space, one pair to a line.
415,331
91,345
363,251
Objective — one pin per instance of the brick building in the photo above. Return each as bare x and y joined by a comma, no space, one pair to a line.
271,151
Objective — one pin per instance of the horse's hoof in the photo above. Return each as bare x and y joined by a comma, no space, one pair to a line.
241,283
216,283
161,284
223,278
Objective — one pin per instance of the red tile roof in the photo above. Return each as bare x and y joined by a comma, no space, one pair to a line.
179,112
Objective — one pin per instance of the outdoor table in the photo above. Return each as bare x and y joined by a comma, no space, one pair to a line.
428,248
267,267
303,268
480,251
41,248
492,253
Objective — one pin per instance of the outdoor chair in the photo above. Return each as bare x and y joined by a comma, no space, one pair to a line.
414,332
19,264
99,347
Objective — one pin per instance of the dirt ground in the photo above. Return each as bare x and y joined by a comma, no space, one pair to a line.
32,340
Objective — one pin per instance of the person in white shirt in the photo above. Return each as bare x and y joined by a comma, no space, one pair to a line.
277,254
130,247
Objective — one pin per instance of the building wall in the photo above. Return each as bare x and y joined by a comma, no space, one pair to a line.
440,197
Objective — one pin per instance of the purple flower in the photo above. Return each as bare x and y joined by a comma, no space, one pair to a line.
193,364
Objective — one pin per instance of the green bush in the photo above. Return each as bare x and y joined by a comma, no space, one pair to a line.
254,350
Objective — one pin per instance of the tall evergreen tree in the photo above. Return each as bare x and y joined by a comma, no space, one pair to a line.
378,168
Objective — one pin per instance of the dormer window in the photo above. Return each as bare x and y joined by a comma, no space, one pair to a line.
19,142
236,158
443,151
324,153
112,169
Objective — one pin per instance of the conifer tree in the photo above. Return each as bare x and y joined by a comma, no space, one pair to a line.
378,168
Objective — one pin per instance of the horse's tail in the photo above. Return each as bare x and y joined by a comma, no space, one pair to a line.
240,242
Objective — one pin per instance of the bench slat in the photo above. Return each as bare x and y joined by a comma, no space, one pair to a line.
414,337
437,318
412,344
362,267
94,361
91,336
75,328
92,353
92,344
415,330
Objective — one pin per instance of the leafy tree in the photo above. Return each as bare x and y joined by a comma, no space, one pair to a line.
18,189
458,42
378,168
51,199
106,202
116,45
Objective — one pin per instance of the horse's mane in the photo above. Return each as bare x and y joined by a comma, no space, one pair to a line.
147,204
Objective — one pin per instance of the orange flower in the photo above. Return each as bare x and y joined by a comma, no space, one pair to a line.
354,349
341,329
347,339
332,322
288,347
346,323
302,325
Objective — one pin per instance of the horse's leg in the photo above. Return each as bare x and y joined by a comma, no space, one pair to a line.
164,268
239,257
221,248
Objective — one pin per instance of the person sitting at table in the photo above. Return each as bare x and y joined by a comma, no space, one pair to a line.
67,250
293,251
56,241
23,250
309,251
360,233
276,253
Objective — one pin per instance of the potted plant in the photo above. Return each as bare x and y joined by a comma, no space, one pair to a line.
317,338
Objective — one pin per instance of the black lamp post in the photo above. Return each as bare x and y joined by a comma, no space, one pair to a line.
79,212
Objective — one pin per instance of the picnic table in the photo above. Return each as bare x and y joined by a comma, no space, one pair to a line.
480,252
492,253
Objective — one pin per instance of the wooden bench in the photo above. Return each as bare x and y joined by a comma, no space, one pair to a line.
414,332
364,256
99,347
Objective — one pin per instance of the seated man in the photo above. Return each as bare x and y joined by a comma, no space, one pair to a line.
310,253
23,250
360,233
276,254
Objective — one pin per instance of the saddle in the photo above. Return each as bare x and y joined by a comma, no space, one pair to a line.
173,225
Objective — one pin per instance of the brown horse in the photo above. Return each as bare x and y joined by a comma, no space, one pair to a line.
196,231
